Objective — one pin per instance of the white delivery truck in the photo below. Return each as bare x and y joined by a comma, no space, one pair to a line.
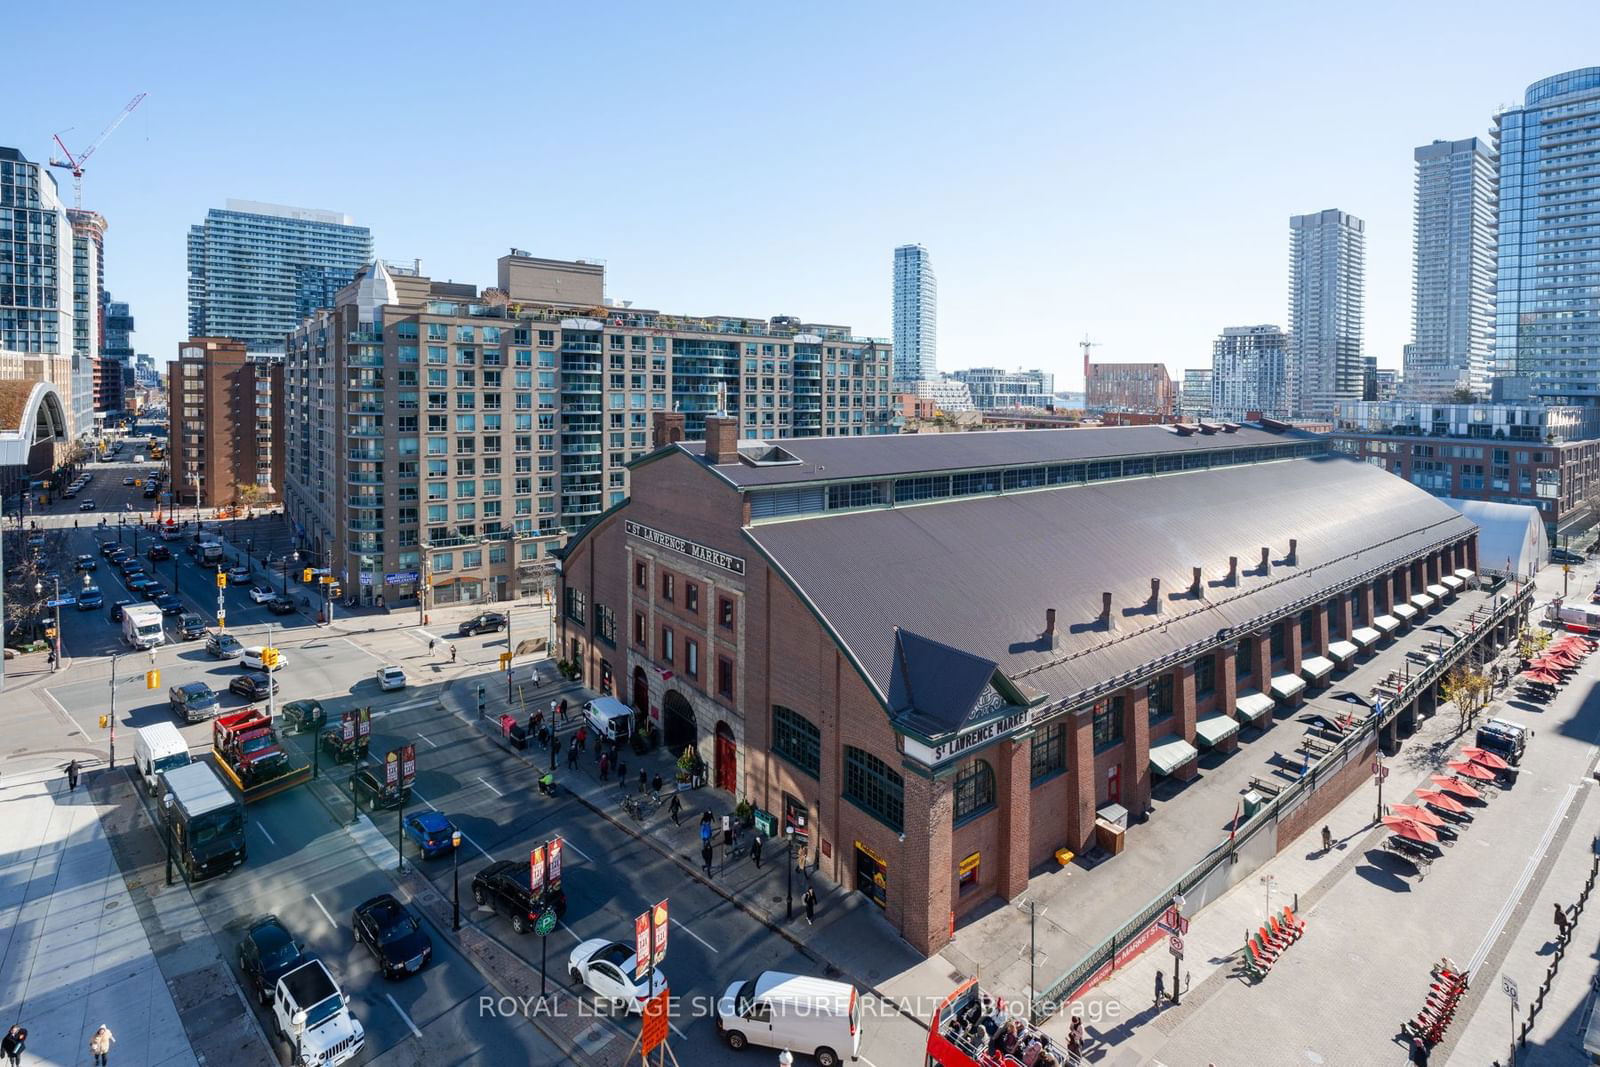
312,1015
141,626
807,1015
156,748
609,718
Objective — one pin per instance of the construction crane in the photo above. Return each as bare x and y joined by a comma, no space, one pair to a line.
1086,344
75,164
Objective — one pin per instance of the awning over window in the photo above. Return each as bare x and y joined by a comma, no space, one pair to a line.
1451,581
1438,592
1287,686
1387,623
1405,612
1343,651
1212,730
1366,636
1423,601
1252,706
1168,756
1466,573
1316,668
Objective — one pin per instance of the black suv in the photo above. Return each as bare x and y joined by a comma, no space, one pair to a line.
157,553
503,886
394,935
266,954
303,716
280,605
191,627
490,622
374,793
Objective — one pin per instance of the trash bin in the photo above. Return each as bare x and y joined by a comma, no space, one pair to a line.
1253,802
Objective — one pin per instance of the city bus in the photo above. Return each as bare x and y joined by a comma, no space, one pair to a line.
957,1038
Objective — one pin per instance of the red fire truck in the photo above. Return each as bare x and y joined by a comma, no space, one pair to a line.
958,1036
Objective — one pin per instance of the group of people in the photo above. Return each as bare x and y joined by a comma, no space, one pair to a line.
997,1039
16,1041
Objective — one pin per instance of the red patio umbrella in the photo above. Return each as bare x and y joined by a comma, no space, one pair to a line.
1541,676
1487,758
1577,644
1441,800
1453,785
1410,828
1564,657
1417,814
1468,769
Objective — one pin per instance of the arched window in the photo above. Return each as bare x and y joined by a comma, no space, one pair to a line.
870,785
797,740
974,790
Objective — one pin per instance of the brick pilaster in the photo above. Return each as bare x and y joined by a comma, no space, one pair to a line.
921,896
1291,644
1136,750
1080,764
1183,700
1012,767
1227,684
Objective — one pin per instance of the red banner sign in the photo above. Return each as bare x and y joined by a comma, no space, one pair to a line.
641,944
408,763
555,863
661,932
391,768
536,872
347,726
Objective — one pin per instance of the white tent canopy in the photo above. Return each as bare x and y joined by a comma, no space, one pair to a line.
1511,537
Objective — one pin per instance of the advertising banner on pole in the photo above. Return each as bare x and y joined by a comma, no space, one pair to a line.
408,763
536,872
555,863
364,722
347,726
641,944
391,769
661,932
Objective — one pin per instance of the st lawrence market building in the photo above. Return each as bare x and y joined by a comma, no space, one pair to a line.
941,655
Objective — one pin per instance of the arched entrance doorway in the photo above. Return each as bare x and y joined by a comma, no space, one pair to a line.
727,759
678,728
641,692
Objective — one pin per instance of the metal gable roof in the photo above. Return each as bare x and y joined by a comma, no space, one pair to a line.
978,573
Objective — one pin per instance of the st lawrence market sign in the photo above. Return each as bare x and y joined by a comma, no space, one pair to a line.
710,556
952,747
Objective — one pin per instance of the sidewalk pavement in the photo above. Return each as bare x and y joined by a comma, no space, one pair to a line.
86,941
849,938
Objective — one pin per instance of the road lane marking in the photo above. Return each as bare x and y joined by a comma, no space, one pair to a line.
477,846
571,931
402,1013
424,799
57,702
264,833
324,911
1534,859
408,706
491,788
694,935
426,738
566,842
676,1030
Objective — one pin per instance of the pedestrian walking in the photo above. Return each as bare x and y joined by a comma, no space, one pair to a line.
100,1045
644,779
1327,839
1075,1036
572,756
555,747
655,783
1562,923
1161,988
622,773
705,857
536,685
563,709
13,1043
674,806
1419,1052
755,849
727,834
72,776
431,642
605,767
452,653
810,901
582,737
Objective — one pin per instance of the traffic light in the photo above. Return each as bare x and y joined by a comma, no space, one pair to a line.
222,580
269,658
482,700
152,679
305,575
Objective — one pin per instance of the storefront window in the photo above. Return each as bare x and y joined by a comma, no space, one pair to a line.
974,790
1158,695
1049,754
797,740
870,785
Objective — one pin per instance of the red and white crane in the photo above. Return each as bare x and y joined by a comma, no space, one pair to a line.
75,163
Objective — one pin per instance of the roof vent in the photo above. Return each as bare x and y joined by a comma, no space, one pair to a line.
1182,429
1105,609
1230,427
1233,570
1155,595
1195,586
1052,640
1207,429
1275,425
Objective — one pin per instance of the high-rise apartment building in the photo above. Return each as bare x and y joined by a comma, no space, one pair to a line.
49,288
1547,294
256,270
117,323
992,388
1194,394
1249,372
1453,268
1327,264
1143,388
916,318
447,439
225,424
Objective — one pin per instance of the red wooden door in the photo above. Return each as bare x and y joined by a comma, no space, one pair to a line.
1114,785
727,767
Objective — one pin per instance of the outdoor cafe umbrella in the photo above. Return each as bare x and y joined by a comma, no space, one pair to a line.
1564,656
1416,814
1577,644
1451,785
1441,800
1471,770
1541,676
1410,828
1487,758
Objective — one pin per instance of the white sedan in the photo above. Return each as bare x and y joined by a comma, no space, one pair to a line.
607,968
251,659
391,677
261,594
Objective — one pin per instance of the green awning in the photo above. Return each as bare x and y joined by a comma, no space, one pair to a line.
1167,757
1212,730
1287,686
1253,705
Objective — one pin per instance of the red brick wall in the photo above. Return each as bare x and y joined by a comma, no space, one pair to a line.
1329,793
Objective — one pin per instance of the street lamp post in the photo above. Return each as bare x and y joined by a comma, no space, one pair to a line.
166,820
788,864
111,760
355,805
455,879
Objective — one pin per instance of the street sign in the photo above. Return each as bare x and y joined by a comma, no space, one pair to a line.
1175,946
1172,922
61,602
400,578
546,922
654,1023
1508,986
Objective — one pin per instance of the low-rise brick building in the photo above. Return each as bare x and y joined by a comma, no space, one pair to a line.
944,655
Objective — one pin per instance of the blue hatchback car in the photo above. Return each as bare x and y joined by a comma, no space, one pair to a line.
431,831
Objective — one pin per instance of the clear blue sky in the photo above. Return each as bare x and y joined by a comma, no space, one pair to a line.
1123,171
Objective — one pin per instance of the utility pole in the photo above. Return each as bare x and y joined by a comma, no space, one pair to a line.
510,647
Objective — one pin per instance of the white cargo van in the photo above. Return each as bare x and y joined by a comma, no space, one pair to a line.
609,718
806,1015
156,748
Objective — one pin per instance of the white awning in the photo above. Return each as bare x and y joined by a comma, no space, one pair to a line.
1212,730
1387,623
1423,601
1438,592
1366,636
1343,651
1287,686
1404,612
1466,573
1452,582
1168,756
1316,668
1252,705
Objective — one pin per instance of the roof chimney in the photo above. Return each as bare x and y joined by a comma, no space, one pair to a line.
1105,609
1266,559
1155,595
1294,551
1233,570
1195,586
722,439
1051,638
668,427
